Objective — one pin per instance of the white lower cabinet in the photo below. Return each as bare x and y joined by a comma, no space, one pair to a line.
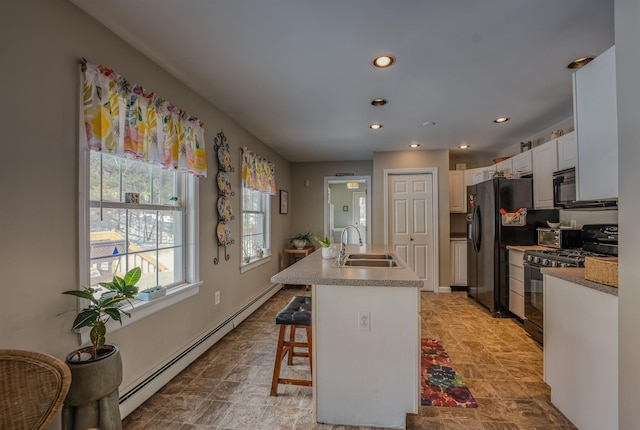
516,282
581,353
458,262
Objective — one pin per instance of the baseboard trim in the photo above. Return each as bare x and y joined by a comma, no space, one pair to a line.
142,391
444,289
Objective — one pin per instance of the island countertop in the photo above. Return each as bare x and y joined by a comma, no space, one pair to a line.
314,270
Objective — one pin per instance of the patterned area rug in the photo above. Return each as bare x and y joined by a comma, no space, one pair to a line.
441,385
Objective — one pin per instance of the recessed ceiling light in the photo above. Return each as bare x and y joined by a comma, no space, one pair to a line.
428,123
501,120
375,126
414,145
579,62
379,102
383,61
464,146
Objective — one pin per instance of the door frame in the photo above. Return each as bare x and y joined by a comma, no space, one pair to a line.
345,179
433,171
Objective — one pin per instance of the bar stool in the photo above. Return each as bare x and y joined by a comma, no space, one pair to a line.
297,314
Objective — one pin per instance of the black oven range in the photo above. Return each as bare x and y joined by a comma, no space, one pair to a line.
602,238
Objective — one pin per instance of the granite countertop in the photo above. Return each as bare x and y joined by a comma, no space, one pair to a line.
576,275
314,270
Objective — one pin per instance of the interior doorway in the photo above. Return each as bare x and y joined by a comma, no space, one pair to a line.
347,201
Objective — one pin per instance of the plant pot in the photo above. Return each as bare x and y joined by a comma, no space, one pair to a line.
299,244
92,401
328,252
151,293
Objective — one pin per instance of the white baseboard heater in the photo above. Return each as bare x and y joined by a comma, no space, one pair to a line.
141,392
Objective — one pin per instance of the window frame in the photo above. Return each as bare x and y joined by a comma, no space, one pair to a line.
175,294
266,206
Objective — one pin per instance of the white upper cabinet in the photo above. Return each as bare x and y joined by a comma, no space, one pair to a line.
521,164
505,166
567,151
596,125
457,192
545,162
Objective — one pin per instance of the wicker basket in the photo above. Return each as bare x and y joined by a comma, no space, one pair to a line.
602,270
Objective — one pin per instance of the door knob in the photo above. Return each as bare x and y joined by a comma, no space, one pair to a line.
411,239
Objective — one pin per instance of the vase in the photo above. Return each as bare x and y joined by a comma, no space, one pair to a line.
92,401
328,252
299,244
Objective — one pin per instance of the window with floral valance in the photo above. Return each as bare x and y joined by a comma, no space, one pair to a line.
124,119
258,173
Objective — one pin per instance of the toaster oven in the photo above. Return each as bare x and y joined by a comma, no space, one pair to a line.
560,238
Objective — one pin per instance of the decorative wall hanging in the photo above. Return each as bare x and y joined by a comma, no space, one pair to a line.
284,202
225,212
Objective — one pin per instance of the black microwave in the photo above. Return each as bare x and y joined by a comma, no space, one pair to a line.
564,193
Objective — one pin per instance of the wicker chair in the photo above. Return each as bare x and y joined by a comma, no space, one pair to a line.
32,389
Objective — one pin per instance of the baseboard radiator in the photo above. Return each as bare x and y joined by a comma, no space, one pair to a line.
141,392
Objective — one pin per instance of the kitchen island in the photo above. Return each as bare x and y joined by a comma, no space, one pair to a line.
581,347
366,339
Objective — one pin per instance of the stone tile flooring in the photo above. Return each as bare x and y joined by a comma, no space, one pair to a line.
228,386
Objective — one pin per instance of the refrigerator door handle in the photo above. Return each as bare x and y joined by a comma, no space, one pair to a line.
473,229
477,233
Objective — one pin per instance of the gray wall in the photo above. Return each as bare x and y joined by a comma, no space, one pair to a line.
307,203
627,16
43,41
415,159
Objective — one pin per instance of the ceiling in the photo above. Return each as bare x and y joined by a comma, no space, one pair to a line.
297,74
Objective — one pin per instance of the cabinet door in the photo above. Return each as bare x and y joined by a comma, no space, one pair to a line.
595,117
458,262
567,151
522,163
457,192
545,162
505,166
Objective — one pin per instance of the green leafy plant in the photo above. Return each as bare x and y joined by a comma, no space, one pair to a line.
304,237
107,306
325,242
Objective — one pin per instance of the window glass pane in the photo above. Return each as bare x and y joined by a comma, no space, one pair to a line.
165,186
136,178
170,264
110,177
148,264
170,228
142,230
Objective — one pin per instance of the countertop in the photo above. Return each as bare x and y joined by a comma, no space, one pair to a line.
314,270
576,275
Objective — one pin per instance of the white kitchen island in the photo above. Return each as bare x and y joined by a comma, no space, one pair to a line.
366,339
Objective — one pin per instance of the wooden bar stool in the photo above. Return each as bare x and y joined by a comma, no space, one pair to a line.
297,314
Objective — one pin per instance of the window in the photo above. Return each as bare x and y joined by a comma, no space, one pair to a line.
255,225
153,234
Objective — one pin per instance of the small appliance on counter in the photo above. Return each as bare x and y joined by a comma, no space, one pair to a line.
560,238
598,241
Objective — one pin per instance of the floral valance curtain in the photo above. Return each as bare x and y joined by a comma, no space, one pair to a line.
124,119
258,173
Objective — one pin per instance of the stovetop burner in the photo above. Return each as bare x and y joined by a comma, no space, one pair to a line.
559,257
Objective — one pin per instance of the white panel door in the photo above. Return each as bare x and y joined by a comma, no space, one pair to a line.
411,223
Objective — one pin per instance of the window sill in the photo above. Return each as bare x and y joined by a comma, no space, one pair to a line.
245,267
142,309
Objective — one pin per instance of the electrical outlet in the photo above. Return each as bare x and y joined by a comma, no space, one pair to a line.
217,299
364,321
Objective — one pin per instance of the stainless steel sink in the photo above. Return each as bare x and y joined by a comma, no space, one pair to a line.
369,257
368,263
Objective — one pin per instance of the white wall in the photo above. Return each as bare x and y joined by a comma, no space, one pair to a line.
627,17
42,43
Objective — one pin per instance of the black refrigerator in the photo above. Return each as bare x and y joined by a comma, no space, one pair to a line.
487,237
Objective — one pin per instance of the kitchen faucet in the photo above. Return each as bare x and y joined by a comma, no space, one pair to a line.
343,245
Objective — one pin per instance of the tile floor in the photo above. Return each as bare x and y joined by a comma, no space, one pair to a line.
228,386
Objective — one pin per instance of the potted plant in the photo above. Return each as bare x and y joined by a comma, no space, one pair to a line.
246,255
96,370
301,240
327,250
